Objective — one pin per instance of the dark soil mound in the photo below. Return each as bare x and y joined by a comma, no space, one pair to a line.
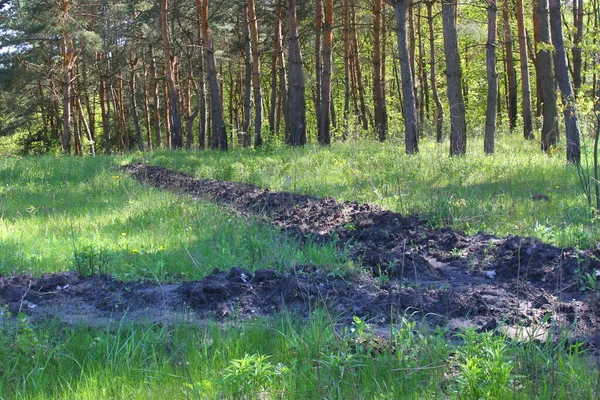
528,287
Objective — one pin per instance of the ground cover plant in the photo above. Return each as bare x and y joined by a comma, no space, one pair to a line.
89,216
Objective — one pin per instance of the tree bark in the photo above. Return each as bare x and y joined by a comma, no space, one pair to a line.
156,100
219,132
357,69
438,116
577,53
275,65
408,93
381,126
174,95
510,64
564,83
325,97
318,62
347,68
492,78
256,68
246,141
134,111
296,102
546,78
458,123
526,110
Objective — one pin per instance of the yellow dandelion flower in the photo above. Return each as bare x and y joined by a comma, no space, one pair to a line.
135,251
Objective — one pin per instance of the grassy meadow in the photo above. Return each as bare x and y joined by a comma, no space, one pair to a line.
62,213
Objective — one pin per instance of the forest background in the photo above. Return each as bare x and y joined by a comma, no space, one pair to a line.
86,76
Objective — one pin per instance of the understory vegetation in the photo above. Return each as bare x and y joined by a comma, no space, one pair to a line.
67,213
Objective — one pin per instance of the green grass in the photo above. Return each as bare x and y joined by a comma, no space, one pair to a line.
472,193
282,358
62,213
59,213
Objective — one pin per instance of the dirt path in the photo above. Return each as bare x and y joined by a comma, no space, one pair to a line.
440,274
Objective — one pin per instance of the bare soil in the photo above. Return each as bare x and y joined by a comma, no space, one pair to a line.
442,276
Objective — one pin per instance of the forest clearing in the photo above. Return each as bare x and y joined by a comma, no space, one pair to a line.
115,267
299,199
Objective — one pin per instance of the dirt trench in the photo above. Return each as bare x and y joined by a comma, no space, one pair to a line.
441,276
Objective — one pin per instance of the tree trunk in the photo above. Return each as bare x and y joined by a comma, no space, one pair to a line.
274,66
147,111
134,111
564,83
578,35
546,78
105,109
66,137
347,68
246,142
318,62
174,96
256,68
525,81
380,106
510,64
408,93
156,99
458,123
296,101
325,113
438,116
219,132
536,63
357,70
492,78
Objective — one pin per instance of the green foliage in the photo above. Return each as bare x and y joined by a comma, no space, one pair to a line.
252,376
82,213
494,194
484,366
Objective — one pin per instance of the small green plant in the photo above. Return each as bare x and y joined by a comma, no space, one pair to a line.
91,260
484,366
252,375
588,282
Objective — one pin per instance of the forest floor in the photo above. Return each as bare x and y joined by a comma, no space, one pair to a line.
439,276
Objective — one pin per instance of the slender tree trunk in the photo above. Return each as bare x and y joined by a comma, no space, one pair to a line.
147,111
546,78
201,82
219,132
105,110
408,93
347,68
66,138
380,106
134,111
439,110
256,69
564,83
423,111
246,141
174,95
325,113
537,40
318,62
458,124
492,78
283,84
510,64
296,101
526,110
357,70
274,66
156,100
578,35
